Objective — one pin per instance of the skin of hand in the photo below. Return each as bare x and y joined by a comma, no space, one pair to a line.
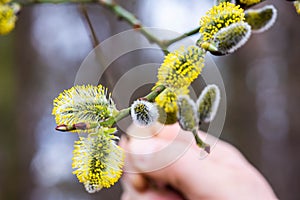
163,162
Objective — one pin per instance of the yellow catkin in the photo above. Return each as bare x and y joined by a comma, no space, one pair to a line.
97,160
167,104
218,17
7,19
91,104
181,67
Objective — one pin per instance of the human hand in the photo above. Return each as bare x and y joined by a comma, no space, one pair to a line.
165,167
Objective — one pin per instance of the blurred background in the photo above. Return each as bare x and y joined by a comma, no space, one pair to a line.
42,55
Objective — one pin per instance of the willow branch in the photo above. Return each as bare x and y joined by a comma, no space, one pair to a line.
89,26
125,112
185,35
200,143
124,14
112,120
31,2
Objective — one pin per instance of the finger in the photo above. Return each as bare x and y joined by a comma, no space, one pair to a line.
174,132
167,132
166,157
175,164
156,155
170,135
150,194
192,177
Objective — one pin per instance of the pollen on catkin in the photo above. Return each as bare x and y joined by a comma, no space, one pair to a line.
261,19
7,19
97,160
181,67
218,17
167,104
143,113
187,113
229,39
208,103
91,104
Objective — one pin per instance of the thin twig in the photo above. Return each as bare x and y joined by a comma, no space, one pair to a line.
187,34
124,14
32,2
200,143
90,28
125,112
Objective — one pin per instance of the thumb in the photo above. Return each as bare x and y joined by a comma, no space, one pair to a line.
168,160
155,154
